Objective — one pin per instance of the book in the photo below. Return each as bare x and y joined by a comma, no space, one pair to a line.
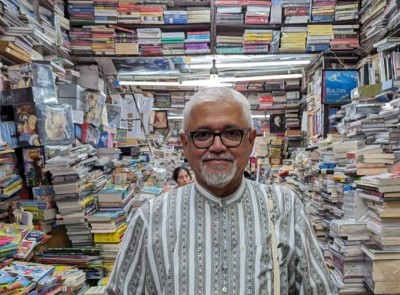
382,179
33,166
115,237
105,216
27,124
97,290
374,253
30,270
113,193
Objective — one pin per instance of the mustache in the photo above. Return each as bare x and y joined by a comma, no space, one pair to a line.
211,156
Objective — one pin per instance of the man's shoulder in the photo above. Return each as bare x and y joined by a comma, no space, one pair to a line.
276,189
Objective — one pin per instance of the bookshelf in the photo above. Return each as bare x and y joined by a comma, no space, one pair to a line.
230,24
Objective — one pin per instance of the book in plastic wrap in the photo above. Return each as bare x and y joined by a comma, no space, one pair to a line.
55,124
26,124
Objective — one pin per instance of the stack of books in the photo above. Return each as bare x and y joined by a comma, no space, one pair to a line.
73,197
257,14
323,11
125,41
87,259
128,12
162,100
174,17
177,100
198,15
381,277
370,160
257,41
319,37
173,43
149,40
152,14
81,41
103,40
43,212
229,44
345,37
105,12
197,42
108,229
348,258
80,11
346,10
229,14
293,39
296,13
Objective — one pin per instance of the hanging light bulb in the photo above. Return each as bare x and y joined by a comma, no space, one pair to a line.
213,71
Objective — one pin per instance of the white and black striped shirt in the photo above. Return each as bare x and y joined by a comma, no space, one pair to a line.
189,241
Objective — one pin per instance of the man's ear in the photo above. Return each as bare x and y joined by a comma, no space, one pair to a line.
183,139
252,136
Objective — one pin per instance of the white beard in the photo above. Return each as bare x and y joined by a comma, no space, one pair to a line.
215,175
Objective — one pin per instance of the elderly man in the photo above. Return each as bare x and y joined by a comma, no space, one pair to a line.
223,234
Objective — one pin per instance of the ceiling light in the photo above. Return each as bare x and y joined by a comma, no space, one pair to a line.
258,78
260,116
193,83
222,82
252,64
253,116
213,71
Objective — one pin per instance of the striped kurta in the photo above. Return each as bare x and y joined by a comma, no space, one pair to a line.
190,241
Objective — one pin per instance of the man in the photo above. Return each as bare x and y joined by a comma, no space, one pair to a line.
216,236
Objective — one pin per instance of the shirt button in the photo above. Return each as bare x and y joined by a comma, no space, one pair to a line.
224,289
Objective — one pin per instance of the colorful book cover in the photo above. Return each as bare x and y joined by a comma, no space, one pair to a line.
26,121
337,86
30,270
114,112
43,193
102,216
5,279
94,101
33,166
55,124
106,139
15,231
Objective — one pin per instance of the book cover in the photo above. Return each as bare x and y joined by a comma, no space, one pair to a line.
15,231
26,122
94,102
33,166
337,86
114,112
55,124
30,270
5,279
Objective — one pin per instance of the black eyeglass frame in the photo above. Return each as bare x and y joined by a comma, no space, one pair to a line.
219,134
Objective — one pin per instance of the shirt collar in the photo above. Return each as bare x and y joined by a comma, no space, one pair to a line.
238,194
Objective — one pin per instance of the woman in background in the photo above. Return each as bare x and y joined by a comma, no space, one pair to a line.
182,176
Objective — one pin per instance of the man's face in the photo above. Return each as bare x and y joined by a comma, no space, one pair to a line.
218,166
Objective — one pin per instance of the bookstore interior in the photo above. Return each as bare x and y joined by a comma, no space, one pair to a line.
91,100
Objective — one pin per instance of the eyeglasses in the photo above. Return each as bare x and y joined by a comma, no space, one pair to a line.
205,139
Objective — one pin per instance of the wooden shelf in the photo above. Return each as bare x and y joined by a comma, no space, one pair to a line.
278,26
165,27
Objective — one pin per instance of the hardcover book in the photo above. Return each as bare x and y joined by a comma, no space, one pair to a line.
33,167
26,122
55,124
337,86
33,271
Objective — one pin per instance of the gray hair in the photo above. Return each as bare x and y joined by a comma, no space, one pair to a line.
219,94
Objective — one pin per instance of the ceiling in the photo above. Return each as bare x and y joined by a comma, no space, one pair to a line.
190,67
179,69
